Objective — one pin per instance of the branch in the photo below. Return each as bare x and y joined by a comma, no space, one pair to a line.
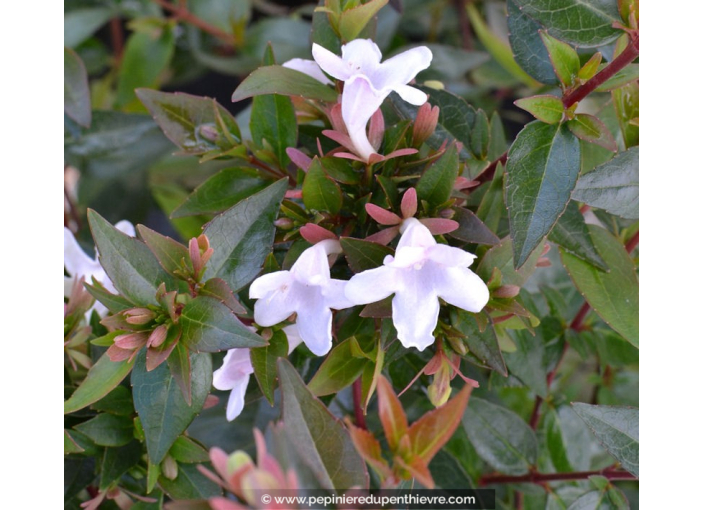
357,402
622,60
610,473
184,14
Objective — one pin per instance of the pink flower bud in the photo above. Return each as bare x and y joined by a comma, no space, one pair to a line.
425,124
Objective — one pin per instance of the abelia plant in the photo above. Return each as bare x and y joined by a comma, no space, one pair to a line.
391,200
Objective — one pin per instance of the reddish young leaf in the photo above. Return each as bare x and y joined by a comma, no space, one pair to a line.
419,470
382,216
391,413
435,428
315,233
370,449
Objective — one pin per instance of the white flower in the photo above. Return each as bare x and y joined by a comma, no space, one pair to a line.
78,263
368,82
306,289
421,272
235,371
308,67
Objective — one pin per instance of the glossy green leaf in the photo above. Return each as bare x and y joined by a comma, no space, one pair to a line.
482,344
590,129
627,75
541,171
102,378
147,55
612,186
273,121
528,49
159,402
76,91
190,484
116,462
340,369
435,185
195,124
500,437
548,109
322,32
579,22
320,439
132,268
480,135
362,255
353,21
118,401
282,80
243,236
528,362
571,233
500,256
210,326
179,363
472,229
321,193
564,58
340,170
556,442
80,24
491,208
70,444
626,103
113,302
616,428
188,451
612,295
264,363
108,429
172,255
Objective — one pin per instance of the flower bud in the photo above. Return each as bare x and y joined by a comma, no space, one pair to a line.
439,390
458,345
284,223
425,124
169,468
139,316
209,132
131,341
158,336
507,291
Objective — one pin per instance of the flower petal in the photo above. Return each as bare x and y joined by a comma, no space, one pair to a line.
309,67
411,94
76,262
414,233
293,336
372,285
402,68
235,403
236,366
315,323
361,56
125,227
462,288
359,102
267,283
334,294
331,63
312,267
415,310
450,256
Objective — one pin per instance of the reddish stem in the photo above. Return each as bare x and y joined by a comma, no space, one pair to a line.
488,173
577,323
357,402
622,60
609,473
117,38
632,243
184,14
465,29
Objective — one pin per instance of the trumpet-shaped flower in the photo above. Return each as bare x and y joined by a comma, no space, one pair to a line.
309,67
235,371
78,263
306,289
368,81
420,272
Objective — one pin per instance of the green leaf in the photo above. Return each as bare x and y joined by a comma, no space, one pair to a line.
264,363
592,500
571,233
223,190
76,91
132,268
564,59
592,130
435,185
243,236
548,109
491,209
480,135
108,429
320,439
195,124
146,57
616,428
118,401
322,32
362,255
186,450
70,444
113,302
612,186
172,255
612,295
282,80
541,172
527,362
353,21
500,437
340,170
159,402
116,462
578,22
80,24
190,484
497,139
472,229
179,362
528,49
482,344
274,120
340,369
500,257
623,77
210,326
556,442
321,193
102,378
626,103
